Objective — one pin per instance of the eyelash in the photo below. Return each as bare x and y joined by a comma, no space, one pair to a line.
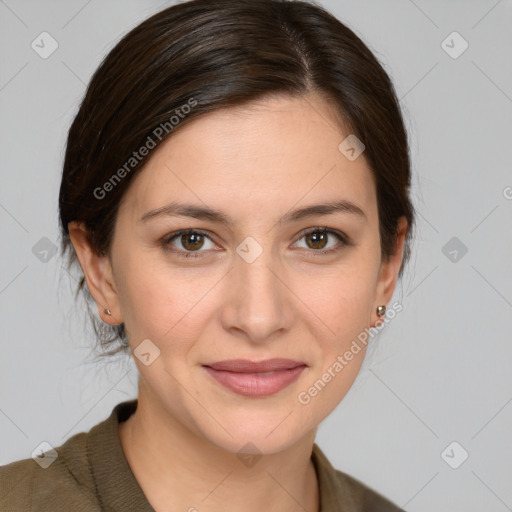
343,241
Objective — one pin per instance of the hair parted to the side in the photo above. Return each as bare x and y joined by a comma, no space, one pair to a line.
210,55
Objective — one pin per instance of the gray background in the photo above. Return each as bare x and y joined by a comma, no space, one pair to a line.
439,372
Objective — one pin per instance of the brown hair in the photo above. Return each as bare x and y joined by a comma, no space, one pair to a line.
203,55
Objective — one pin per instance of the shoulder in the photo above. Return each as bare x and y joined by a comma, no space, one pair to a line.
340,491
65,484
365,498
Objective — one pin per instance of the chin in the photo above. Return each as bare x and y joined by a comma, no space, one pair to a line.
257,433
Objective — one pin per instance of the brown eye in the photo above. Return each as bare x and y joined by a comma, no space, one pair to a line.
316,239
192,241
321,241
188,243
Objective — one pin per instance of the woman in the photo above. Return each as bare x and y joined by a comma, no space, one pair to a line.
236,192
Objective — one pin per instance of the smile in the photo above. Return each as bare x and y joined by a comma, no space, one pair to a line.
256,379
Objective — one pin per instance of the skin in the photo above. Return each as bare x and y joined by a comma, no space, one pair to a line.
256,164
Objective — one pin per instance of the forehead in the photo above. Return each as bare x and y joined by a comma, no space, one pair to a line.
260,155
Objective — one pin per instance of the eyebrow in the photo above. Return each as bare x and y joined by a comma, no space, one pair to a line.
176,209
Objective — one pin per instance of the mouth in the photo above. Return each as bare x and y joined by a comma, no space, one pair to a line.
255,378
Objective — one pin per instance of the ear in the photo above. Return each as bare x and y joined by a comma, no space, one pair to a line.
98,274
389,269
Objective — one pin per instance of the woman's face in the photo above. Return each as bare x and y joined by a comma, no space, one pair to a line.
269,270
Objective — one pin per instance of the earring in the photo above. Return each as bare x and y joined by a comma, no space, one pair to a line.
107,312
381,310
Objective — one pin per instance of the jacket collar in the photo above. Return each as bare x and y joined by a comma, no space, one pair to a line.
119,490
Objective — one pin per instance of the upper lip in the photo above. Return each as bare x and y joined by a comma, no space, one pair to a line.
247,366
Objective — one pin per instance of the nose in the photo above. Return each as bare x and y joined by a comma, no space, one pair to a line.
258,303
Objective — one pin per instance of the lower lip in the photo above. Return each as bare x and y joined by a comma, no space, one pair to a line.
256,384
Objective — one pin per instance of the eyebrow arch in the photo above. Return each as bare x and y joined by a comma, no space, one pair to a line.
176,209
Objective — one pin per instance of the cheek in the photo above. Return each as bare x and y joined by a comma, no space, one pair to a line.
343,307
158,303
341,301
352,313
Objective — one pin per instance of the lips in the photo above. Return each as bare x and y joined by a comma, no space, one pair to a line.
247,366
255,378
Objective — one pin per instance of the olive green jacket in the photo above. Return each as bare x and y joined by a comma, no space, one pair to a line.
91,474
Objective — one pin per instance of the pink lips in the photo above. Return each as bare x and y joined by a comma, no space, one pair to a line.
250,378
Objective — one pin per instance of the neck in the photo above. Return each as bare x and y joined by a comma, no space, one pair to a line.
178,470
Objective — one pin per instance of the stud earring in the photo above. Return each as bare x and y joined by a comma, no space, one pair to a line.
107,312
381,310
